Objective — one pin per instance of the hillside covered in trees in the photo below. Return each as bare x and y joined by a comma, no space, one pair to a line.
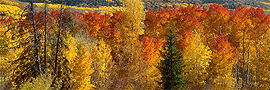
135,45
230,4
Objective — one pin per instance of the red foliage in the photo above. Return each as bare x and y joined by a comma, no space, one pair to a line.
157,23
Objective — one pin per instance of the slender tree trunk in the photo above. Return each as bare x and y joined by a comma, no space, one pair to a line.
237,70
58,40
36,39
243,67
220,33
196,69
236,73
57,47
45,35
248,68
258,66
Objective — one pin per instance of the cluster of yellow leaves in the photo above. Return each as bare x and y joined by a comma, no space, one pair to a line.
8,54
129,28
104,9
101,9
256,62
131,69
79,63
197,57
42,82
261,62
220,69
9,2
53,6
11,11
3,53
102,64
134,15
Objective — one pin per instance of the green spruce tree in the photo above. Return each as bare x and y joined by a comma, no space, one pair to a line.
172,65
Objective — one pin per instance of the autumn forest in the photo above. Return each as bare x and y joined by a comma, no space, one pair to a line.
178,47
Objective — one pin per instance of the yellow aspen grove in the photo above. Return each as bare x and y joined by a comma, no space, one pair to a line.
10,13
102,64
134,15
3,53
126,52
220,68
129,29
257,60
261,65
11,53
80,61
197,56
41,82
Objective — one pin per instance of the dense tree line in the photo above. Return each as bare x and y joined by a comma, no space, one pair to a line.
230,4
154,4
171,48
84,3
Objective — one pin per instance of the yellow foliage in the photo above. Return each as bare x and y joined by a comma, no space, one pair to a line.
42,82
52,6
126,52
257,62
9,2
102,64
134,15
7,53
101,9
79,63
11,11
197,57
221,66
3,54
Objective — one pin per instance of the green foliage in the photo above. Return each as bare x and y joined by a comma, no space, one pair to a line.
172,67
